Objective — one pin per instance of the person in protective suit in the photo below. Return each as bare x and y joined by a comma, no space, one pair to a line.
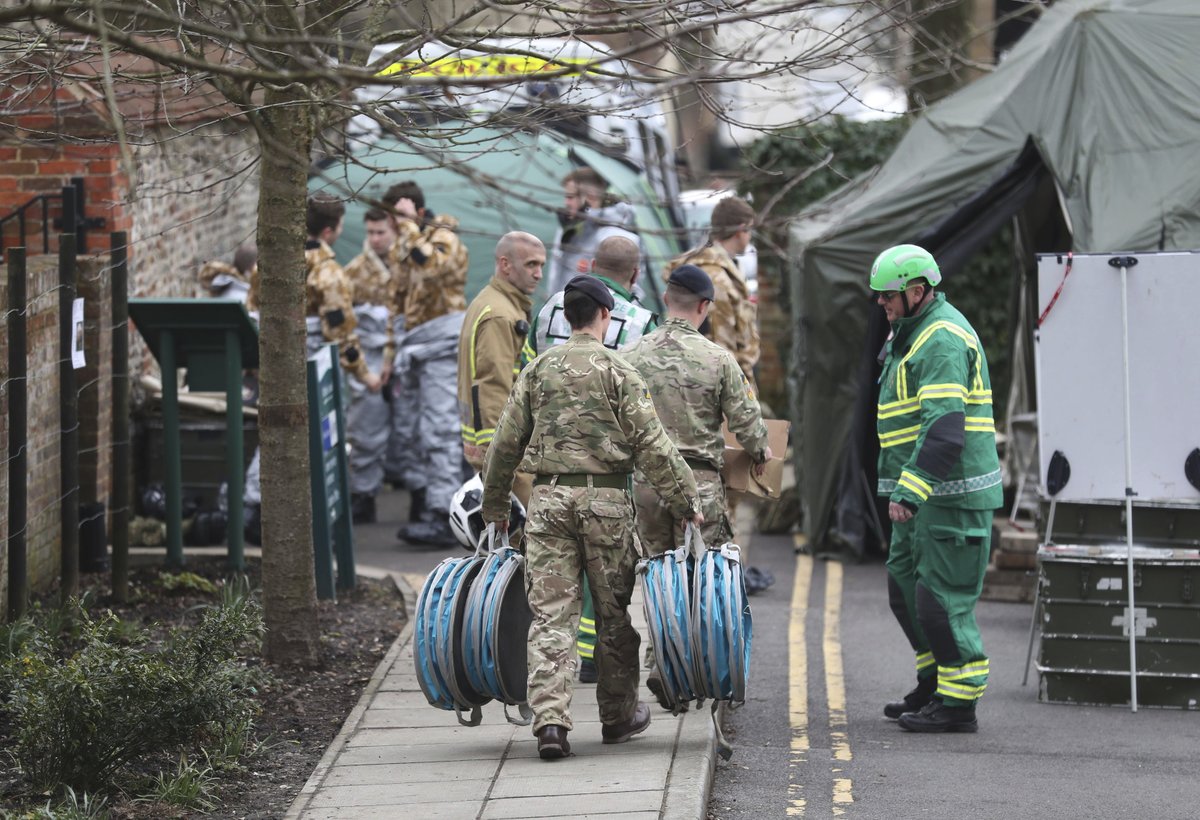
939,470
430,263
589,215
369,413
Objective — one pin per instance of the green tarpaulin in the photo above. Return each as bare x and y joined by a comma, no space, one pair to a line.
1093,118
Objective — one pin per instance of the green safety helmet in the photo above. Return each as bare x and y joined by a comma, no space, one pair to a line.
903,265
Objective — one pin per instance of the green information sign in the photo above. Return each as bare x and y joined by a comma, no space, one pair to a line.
329,472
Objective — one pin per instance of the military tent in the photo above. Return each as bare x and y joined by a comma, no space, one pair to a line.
1085,137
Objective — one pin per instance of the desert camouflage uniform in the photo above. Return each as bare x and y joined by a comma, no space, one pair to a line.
223,281
432,267
329,318
695,385
733,319
431,263
369,415
577,413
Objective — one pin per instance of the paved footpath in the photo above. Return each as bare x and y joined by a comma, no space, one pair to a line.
397,756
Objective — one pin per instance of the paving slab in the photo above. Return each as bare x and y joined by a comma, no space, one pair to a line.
397,756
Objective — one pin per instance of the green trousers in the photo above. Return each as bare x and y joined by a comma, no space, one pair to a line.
936,564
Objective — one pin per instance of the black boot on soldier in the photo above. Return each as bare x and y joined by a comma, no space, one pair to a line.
938,717
915,700
362,508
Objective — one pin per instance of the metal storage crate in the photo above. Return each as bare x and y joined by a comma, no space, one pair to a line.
1084,653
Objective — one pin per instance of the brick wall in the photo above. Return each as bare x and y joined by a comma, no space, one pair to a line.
43,477
4,390
774,325
195,199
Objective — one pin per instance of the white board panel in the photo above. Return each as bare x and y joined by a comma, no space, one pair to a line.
1080,374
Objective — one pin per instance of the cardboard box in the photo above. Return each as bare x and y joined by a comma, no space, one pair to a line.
738,472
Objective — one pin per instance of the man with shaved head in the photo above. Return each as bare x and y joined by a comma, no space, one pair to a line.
489,349
616,264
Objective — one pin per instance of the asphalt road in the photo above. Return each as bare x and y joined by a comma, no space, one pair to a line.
831,753
812,741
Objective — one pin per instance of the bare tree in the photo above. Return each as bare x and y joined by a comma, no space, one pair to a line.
294,69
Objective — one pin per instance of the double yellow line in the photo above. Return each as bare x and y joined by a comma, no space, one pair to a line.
835,686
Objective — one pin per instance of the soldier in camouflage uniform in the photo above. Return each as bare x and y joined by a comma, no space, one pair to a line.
695,385
616,264
580,419
432,267
224,281
369,414
732,322
329,316
733,319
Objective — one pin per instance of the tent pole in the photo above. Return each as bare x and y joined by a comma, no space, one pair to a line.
1131,616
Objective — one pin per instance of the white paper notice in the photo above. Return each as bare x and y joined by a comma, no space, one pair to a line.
77,360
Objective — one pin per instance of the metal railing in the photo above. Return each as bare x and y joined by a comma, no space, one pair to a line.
72,220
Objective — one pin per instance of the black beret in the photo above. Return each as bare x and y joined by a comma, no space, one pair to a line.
592,287
694,279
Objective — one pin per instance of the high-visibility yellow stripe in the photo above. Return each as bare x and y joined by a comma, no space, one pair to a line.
941,390
962,691
902,378
979,425
897,408
472,436
970,670
474,330
897,442
914,483
899,433
924,660
490,65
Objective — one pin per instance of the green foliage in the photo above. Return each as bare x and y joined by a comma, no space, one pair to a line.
189,786
826,155
835,150
848,149
72,806
84,707
186,582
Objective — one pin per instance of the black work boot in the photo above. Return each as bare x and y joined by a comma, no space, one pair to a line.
435,533
252,524
362,508
938,717
417,511
915,700
552,742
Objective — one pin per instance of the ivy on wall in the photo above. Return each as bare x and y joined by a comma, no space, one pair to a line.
832,152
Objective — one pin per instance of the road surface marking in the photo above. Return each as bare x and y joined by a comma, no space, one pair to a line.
835,686
798,683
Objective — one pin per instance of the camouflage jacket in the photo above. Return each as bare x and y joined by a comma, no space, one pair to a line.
695,384
432,266
216,277
581,408
372,282
327,295
489,353
733,319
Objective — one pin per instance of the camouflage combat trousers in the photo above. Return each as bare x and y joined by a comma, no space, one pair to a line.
572,530
659,531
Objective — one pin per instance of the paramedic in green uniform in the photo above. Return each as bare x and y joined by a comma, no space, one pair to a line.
939,470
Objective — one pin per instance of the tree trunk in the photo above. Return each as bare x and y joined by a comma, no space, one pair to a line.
285,129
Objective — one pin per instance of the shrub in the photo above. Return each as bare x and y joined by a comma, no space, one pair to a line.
84,708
